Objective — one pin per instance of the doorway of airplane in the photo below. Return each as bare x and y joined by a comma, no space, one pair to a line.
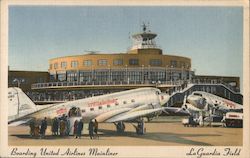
74,115
74,112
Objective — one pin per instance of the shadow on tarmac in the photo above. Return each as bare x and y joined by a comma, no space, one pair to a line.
162,137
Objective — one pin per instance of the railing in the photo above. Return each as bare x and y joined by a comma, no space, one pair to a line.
94,83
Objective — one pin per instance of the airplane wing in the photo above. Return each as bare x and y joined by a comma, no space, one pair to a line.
128,116
175,110
104,116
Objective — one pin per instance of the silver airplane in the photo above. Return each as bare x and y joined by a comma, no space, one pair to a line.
200,101
131,105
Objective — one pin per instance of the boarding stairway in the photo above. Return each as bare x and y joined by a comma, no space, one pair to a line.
177,95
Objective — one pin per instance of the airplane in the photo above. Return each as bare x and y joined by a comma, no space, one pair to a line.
203,103
200,100
126,106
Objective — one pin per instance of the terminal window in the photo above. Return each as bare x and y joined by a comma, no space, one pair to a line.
87,62
55,66
102,62
118,62
155,62
63,64
133,62
173,63
74,64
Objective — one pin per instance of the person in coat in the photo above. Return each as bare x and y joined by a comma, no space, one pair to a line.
32,128
62,127
75,128
43,128
96,129
79,128
91,129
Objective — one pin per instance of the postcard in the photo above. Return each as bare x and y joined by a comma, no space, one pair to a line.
124,79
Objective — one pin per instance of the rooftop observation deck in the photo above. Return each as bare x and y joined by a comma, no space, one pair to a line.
103,85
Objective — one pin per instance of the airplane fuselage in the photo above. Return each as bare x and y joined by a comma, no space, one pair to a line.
89,108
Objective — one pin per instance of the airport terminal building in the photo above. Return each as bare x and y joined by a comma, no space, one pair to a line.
92,73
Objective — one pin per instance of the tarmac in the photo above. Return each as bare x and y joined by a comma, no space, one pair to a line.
161,132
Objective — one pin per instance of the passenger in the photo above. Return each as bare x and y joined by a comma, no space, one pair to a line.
79,129
96,129
67,126
43,128
75,128
36,130
62,127
32,128
73,111
53,126
70,113
91,131
57,121
78,112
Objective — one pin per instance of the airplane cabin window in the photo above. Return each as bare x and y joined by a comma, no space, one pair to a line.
124,102
132,100
108,106
91,109
83,111
100,107
116,104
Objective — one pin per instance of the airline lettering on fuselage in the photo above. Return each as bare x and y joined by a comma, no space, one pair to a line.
61,111
99,103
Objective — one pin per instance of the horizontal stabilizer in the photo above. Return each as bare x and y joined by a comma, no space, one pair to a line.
17,123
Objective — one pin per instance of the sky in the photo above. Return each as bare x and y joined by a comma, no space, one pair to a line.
211,36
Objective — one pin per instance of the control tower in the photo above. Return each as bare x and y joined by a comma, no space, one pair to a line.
144,42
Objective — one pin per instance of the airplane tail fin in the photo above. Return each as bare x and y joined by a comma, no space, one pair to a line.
19,103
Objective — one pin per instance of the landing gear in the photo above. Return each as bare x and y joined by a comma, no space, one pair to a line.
140,129
120,127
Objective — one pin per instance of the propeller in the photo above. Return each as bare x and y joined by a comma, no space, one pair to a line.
184,108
